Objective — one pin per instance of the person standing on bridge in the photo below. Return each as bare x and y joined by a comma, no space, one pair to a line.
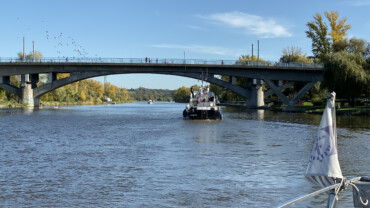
146,59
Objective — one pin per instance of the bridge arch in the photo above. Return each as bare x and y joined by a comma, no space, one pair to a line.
74,77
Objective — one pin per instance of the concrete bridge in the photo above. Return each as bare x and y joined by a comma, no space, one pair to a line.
84,68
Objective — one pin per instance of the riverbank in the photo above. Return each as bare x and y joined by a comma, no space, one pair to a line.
13,104
310,109
344,111
9,104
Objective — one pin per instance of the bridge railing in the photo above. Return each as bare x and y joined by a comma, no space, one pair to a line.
162,61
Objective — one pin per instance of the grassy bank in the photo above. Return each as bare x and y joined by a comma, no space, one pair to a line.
9,104
344,111
309,108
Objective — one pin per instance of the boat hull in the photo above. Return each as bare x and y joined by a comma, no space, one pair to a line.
195,114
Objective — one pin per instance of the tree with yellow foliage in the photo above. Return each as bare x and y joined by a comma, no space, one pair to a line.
294,54
322,39
338,27
83,96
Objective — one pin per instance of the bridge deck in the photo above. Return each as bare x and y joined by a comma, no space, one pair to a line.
258,70
162,61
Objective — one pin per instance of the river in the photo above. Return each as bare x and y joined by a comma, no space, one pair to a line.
140,155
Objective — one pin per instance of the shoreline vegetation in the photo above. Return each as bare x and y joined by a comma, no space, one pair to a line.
342,111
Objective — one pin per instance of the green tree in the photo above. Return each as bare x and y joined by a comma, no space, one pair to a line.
2,95
182,95
318,32
346,76
357,46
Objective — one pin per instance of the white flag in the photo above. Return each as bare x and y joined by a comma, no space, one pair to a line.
324,167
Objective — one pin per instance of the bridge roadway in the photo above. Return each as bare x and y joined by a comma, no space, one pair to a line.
83,68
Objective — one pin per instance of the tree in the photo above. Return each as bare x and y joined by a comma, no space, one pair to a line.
83,96
322,45
37,56
345,75
357,46
338,27
245,58
318,32
182,95
294,54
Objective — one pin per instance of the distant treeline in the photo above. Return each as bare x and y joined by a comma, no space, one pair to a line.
144,94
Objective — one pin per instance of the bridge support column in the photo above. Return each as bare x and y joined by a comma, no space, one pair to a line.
256,99
52,77
232,80
26,95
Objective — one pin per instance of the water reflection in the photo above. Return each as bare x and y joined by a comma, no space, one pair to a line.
29,110
260,114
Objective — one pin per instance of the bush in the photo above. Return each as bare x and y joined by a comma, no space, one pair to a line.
360,102
317,102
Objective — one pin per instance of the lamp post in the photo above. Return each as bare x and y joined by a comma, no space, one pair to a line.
258,52
33,51
24,49
252,54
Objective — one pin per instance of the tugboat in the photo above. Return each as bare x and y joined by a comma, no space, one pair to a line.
202,106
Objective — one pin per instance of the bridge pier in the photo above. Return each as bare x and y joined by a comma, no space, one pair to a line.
28,82
232,80
256,98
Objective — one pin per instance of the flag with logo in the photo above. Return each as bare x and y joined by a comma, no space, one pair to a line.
323,168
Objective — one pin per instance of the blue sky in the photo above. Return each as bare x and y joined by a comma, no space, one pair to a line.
208,29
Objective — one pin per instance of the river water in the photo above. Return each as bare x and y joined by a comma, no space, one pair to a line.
140,155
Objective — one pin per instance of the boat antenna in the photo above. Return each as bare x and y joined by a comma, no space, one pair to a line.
205,78
202,78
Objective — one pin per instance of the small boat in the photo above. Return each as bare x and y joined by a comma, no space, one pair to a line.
150,102
202,106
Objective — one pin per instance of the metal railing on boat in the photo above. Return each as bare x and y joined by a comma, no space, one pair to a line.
332,190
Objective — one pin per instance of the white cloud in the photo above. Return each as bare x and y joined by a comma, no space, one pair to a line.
202,49
251,24
360,3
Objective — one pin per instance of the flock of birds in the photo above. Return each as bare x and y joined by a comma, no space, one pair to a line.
63,42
